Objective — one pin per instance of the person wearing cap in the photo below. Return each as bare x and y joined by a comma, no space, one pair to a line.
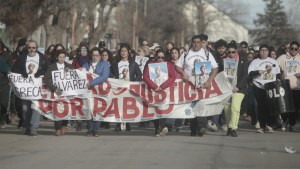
185,66
101,45
256,71
293,56
153,50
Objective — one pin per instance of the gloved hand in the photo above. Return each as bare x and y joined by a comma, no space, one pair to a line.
25,75
58,91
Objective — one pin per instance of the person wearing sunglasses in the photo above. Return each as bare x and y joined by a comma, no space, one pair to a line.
292,56
237,75
31,56
159,82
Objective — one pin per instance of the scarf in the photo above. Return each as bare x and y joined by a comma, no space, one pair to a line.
83,60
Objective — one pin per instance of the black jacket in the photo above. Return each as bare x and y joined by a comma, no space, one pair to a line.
242,75
48,75
20,66
135,73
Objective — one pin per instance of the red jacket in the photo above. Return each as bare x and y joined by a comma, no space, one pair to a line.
167,83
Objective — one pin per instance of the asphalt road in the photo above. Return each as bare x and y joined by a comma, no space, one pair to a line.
139,149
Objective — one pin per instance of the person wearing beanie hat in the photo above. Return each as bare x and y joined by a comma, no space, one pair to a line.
101,44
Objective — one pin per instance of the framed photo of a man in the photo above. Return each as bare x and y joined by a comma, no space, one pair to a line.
158,72
202,71
291,67
229,68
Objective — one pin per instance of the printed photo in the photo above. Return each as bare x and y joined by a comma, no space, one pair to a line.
158,72
291,67
230,67
202,71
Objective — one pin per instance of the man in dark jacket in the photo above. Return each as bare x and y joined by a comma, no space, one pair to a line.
5,65
31,62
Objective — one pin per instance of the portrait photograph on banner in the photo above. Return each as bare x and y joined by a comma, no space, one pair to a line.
202,71
291,67
230,67
158,72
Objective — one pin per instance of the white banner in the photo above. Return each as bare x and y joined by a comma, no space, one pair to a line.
71,82
26,88
122,101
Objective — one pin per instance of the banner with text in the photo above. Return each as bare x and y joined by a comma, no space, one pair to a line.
29,88
122,101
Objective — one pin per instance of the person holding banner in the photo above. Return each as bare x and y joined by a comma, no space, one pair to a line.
256,71
125,61
185,66
158,86
31,56
101,68
82,57
60,125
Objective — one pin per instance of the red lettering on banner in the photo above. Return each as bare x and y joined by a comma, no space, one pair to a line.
89,78
129,103
189,96
200,93
146,112
166,111
113,109
145,89
172,92
134,89
99,110
180,92
77,108
44,87
160,96
215,90
120,90
101,89
45,109
65,112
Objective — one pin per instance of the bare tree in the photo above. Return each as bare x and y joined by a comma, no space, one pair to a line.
22,18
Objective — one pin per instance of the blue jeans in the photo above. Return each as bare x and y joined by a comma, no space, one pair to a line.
92,125
31,116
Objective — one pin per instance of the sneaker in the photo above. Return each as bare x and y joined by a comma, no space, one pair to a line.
156,133
260,130
33,132
233,133
89,134
292,129
224,127
27,132
201,132
268,129
58,133
229,132
212,127
178,129
164,131
3,126
257,125
96,134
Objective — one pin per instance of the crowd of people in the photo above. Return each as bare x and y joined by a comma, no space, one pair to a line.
247,69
